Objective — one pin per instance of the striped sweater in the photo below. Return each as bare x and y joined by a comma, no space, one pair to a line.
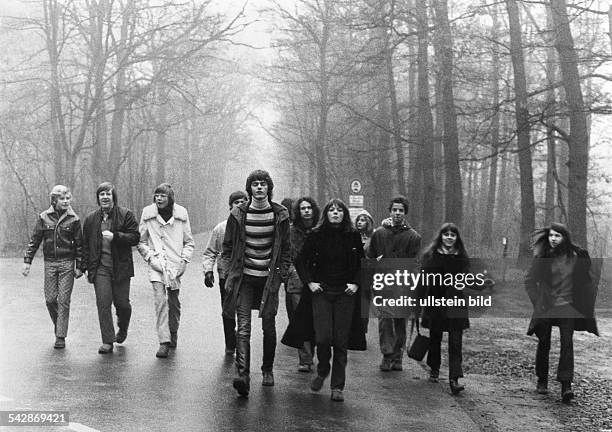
259,230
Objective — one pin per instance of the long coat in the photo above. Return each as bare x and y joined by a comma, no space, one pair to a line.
538,283
232,259
170,240
301,327
455,317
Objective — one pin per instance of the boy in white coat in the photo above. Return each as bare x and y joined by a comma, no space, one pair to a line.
167,245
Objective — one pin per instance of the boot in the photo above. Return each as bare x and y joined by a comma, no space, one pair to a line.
163,350
434,375
60,343
385,365
455,387
242,386
121,336
567,394
542,387
268,379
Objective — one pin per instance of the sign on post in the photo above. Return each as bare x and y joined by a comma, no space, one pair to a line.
355,199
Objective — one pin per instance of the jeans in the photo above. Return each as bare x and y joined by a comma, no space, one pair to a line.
332,316
392,336
249,297
59,280
229,324
167,311
565,370
455,339
109,292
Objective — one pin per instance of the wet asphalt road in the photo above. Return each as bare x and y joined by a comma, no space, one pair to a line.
132,390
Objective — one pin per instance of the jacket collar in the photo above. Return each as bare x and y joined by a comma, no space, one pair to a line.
178,212
280,212
51,210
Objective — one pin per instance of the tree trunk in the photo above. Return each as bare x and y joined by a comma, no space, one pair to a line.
397,128
489,216
425,126
578,139
551,158
321,144
523,129
119,96
60,145
452,185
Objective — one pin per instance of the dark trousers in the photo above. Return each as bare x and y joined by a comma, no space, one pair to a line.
229,324
109,292
332,315
249,297
292,299
565,370
392,337
455,339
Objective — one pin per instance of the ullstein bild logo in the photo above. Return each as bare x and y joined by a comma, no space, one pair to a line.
397,285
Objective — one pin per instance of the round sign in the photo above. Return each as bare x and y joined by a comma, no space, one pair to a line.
356,186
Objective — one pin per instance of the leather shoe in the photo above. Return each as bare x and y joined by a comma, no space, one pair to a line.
337,396
385,365
241,384
542,387
164,349
456,387
317,383
105,349
567,394
397,365
268,379
60,343
434,376
121,336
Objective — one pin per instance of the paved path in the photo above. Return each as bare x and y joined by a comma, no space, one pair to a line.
132,390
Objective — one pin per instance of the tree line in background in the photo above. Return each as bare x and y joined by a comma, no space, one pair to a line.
479,112
135,92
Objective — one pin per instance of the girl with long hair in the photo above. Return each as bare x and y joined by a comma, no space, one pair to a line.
446,255
329,265
562,293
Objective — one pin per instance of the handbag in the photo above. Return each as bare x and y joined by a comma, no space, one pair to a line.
420,344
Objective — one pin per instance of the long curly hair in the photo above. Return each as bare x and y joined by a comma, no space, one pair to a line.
297,216
541,245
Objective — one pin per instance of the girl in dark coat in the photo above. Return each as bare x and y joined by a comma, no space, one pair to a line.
446,255
329,265
562,293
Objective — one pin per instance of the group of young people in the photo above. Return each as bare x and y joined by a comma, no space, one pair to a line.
317,256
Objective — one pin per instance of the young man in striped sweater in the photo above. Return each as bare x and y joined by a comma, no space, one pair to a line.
256,258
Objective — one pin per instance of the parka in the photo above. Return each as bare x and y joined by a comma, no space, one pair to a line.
232,259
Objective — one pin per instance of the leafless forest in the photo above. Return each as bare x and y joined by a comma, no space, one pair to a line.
492,114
